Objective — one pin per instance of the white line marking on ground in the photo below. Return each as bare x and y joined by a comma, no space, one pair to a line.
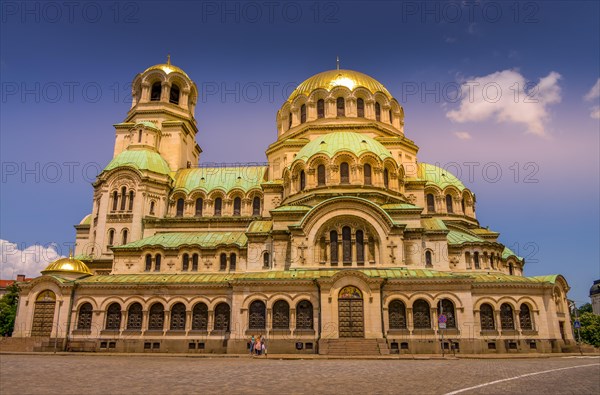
518,377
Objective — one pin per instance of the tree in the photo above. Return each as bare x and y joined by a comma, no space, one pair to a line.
585,308
8,309
590,328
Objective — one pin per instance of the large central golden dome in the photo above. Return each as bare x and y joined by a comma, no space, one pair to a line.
330,79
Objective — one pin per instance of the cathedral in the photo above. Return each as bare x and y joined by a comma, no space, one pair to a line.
341,242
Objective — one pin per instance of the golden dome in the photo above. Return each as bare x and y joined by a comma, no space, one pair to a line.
67,266
167,68
330,79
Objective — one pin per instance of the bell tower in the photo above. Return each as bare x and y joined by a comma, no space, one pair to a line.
163,103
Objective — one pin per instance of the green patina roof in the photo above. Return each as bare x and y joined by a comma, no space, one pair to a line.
433,224
224,178
260,226
332,143
87,220
507,252
177,239
304,274
400,206
148,124
457,238
437,176
141,159
291,208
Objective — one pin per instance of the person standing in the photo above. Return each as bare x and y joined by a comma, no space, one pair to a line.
263,347
257,346
252,341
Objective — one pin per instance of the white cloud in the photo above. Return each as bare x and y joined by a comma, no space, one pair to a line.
594,92
463,135
507,97
28,261
595,112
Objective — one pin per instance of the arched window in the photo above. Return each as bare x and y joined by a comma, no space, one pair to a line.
428,259
84,318
123,198
140,136
256,206
185,265
113,317
124,239
449,208
281,315
360,247
237,206
486,317
347,244
223,262
344,173
446,307
157,260
218,206
266,260
303,113
367,174
115,196
156,319
199,204
525,318
131,200
386,178
391,115
134,317
321,175
290,120
152,204
377,111
174,94
156,91
360,108
462,203
507,321
476,260
320,108
397,315
492,260
333,242
180,204
257,315
178,317
304,315
222,317
195,262
511,269
232,262
421,315
111,237
302,180
430,203
148,262
468,259
341,107
200,317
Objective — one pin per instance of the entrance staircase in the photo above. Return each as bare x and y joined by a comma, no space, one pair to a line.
353,347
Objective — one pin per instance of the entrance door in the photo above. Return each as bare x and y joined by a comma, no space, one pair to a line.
350,312
43,314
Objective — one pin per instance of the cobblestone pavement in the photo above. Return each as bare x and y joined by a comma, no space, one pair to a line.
127,374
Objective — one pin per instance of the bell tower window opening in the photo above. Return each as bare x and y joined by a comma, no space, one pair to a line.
199,203
386,178
123,198
223,262
186,263
180,205
195,262
391,116
430,203
140,136
360,108
347,245
303,113
290,120
115,197
152,204
111,237
218,206
130,200
449,207
302,180
148,262
124,240
256,206
232,262
367,174
321,108
476,260
377,111
156,91
360,247
333,243
237,206
428,259
321,175
344,173
157,260
174,94
341,107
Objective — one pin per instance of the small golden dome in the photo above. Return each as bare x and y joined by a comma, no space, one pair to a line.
167,68
330,79
67,266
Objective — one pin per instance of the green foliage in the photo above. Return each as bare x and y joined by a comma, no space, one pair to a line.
585,308
8,309
590,328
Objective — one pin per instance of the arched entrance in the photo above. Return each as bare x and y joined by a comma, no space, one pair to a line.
350,312
43,314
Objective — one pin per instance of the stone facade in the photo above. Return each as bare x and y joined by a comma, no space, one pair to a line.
341,234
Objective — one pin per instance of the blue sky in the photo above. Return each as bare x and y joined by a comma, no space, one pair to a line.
65,75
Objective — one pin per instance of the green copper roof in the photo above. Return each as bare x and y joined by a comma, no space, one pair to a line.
87,220
177,239
507,252
260,226
400,206
224,178
433,224
437,176
457,238
141,159
332,143
291,208
148,124
308,275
